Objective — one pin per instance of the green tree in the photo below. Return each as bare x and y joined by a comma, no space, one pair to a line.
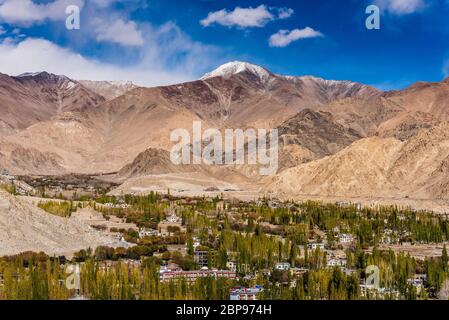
445,259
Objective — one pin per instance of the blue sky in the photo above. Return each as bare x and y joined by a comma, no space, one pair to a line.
158,42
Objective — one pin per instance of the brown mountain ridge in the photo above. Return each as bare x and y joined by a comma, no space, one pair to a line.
336,137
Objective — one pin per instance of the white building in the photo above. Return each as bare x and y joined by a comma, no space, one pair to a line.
273,204
173,219
345,238
418,281
378,293
231,265
196,242
347,271
192,276
283,266
336,263
143,232
117,206
245,294
172,267
315,246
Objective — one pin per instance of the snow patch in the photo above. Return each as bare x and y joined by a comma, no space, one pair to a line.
237,67
71,85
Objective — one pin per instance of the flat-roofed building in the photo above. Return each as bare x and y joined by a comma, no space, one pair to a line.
192,276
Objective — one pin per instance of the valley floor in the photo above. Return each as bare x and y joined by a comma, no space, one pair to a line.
192,186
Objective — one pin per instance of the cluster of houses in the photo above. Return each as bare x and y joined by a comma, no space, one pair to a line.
245,294
336,262
418,281
394,237
316,246
345,238
164,227
173,272
375,291
347,204
282,266
144,232
201,257
171,222
119,205
335,258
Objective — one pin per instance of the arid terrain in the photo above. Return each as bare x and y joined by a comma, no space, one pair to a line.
338,139
24,227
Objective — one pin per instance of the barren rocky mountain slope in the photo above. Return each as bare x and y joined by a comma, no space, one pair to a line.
153,161
375,167
24,227
110,135
337,137
17,158
359,169
318,132
32,98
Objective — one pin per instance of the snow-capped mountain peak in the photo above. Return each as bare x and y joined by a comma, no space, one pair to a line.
237,67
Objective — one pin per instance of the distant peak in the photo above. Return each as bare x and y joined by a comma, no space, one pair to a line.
110,82
42,75
32,74
47,78
236,67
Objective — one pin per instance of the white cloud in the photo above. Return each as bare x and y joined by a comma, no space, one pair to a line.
104,3
284,37
118,31
148,55
401,7
169,46
34,55
26,12
246,17
167,57
285,13
107,25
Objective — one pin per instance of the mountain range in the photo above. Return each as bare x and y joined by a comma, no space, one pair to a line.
337,138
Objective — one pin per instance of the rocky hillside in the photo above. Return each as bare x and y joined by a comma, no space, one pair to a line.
375,167
24,227
32,98
113,133
337,137
153,161
318,132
